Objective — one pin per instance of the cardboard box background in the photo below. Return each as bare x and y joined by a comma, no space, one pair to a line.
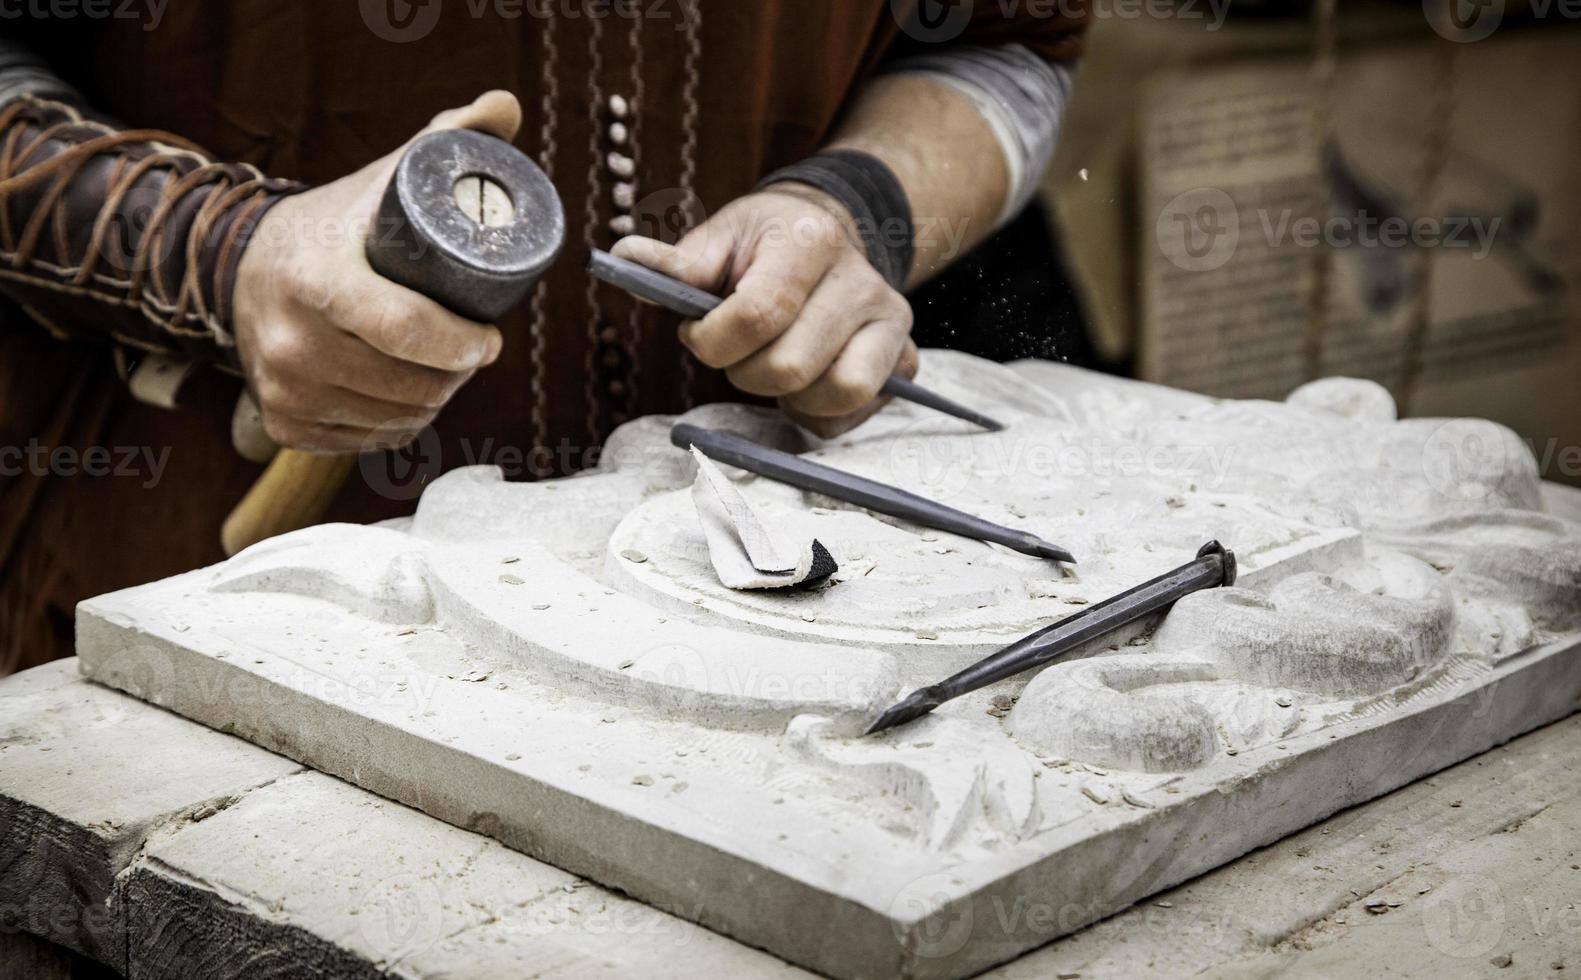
1212,116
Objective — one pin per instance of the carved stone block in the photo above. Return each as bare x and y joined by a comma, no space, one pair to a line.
556,665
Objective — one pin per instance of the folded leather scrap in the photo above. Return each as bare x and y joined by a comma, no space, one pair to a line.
746,552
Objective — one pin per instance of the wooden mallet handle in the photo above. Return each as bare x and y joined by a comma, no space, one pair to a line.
468,221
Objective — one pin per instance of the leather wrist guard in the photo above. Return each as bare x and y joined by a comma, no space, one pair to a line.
134,234
872,194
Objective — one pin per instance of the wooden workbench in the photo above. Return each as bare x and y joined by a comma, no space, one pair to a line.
164,849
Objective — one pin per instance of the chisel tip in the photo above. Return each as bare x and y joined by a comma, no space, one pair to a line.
1054,552
914,706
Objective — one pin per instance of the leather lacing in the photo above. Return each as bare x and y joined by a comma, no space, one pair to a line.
236,194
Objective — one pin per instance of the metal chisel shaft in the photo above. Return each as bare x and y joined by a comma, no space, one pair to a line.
727,447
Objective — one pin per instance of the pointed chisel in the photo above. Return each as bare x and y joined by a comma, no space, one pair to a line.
727,447
1213,567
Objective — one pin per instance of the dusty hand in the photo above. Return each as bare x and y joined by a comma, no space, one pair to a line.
806,320
338,357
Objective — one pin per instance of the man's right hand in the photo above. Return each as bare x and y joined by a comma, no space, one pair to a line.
339,358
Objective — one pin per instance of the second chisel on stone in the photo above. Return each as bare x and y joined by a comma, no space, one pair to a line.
727,447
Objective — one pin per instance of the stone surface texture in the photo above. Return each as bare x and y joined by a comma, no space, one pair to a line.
557,667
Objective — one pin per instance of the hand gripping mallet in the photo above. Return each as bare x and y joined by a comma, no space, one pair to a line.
468,221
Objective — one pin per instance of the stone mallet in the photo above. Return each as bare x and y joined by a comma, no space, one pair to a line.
1213,567
468,221
694,303
727,447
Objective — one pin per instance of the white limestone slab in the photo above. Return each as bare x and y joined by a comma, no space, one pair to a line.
552,666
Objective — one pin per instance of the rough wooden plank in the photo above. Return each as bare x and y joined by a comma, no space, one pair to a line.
86,775
311,866
24,956
1498,904
1272,895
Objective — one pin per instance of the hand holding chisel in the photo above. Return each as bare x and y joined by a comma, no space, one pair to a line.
689,301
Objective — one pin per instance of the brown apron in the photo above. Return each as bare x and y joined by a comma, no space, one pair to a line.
720,92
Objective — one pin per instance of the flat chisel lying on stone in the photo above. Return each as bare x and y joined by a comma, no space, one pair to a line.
1213,567
727,447
689,301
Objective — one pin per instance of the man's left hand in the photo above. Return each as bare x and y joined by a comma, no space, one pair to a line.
806,318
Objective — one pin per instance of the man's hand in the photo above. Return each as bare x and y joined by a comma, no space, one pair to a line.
338,357
806,320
